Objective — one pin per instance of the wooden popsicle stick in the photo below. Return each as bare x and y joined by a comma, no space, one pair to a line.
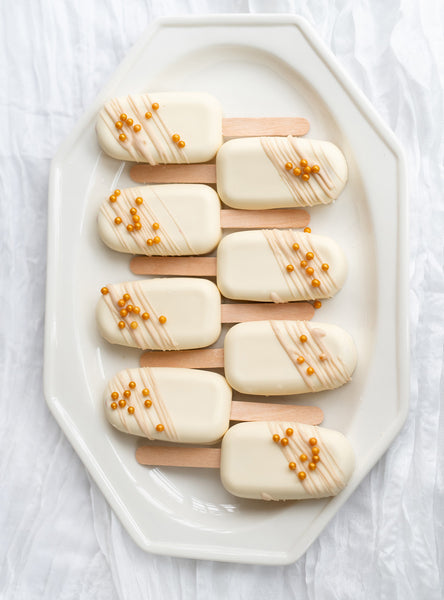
195,173
207,358
261,411
277,218
197,266
266,311
163,456
259,126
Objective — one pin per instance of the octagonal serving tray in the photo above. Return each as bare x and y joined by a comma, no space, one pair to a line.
256,66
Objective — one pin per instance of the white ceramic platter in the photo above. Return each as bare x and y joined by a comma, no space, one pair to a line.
255,66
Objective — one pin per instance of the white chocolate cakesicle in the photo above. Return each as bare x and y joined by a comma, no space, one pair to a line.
256,464
161,127
259,172
272,265
288,357
160,314
175,405
168,220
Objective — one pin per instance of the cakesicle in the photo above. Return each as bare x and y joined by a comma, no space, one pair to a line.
273,172
160,314
161,220
279,266
161,127
186,405
288,357
284,461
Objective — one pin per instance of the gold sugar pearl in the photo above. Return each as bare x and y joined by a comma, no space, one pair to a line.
149,242
312,466
284,441
137,128
315,458
303,338
104,291
315,283
303,457
116,192
309,270
123,117
133,210
123,312
136,309
303,162
127,393
138,226
126,297
112,198
315,169
290,268
317,304
295,246
310,371
297,171
132,384
181,144
122,137
325,267
302,475
303,263
300,360
176,137
322,357
309,256
130,227
129,308
136,218
114,405
121,324
289,166
145,316
156,240
307,170
307,230
145,392
162,319
276,438
129,122
313,441
292,466
148,403
156,226
148,115
289,431
121,302
134,325
315,450
117,220
131,410
118,124
305,177
122,403
155,106
160,427
138,200
114,395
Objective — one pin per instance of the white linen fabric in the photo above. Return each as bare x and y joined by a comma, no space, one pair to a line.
58,537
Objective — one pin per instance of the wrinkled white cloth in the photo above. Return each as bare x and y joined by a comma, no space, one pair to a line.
58,537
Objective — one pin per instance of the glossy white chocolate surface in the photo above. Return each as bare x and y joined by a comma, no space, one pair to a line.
188,216
193,406
254,466
251,172
252,265
261,357
195,117
191,307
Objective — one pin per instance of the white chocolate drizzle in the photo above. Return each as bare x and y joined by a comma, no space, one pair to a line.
173,242
154,137
298,281
147,418
320,188
328,477
329,372
148,333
